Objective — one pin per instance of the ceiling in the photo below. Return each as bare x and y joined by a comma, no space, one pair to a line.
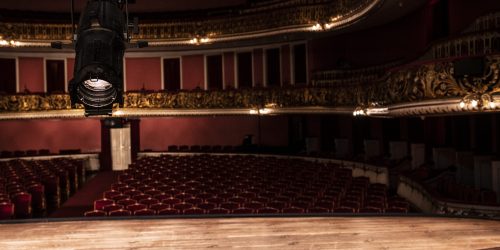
141,6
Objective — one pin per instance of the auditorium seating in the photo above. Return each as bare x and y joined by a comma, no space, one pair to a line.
20,153
242,184
201,148
34,188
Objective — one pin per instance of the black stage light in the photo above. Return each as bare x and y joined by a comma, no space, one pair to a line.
100,46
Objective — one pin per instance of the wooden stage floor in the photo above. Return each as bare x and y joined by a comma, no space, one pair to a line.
256,233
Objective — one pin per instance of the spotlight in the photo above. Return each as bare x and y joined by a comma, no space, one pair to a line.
492,105
100,46
462,104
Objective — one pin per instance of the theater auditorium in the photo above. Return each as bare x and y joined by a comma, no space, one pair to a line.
250,124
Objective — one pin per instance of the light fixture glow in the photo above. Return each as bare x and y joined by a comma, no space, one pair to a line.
317,27
462,104
492,105
118,113
264,111
474,103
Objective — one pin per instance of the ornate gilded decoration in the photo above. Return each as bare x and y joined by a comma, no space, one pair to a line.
257,21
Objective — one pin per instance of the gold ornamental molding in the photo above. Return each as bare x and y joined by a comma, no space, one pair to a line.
287,16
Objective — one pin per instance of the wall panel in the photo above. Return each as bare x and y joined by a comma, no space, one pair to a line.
158,133
143,73
54,135
31,74
193,72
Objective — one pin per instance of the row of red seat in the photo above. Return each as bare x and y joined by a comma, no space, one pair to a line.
208,184
203,148
33,152
34,188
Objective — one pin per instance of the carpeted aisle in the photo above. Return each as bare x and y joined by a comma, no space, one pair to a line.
83,199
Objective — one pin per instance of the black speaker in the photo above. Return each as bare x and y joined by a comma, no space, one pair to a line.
468,67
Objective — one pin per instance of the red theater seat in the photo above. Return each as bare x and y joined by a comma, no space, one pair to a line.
111,193
317,210
218,211
396,210
168,211
159,206
136,207
120,212
194,211
145,212
171,201
95,213
182,206
373,210
22,205
38,204
267,210
112,207
6,210
344,210
243,210
99,204
194,201
133,192
117,198
229,205
207,206
126,202
254,205
149,201
293,210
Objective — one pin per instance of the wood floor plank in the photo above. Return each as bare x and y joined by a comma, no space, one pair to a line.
256,233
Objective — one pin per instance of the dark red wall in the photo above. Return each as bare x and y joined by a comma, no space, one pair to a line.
158,133
31,74
70,66
81,134
285,65
229,81
193,72
258,67
143,73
